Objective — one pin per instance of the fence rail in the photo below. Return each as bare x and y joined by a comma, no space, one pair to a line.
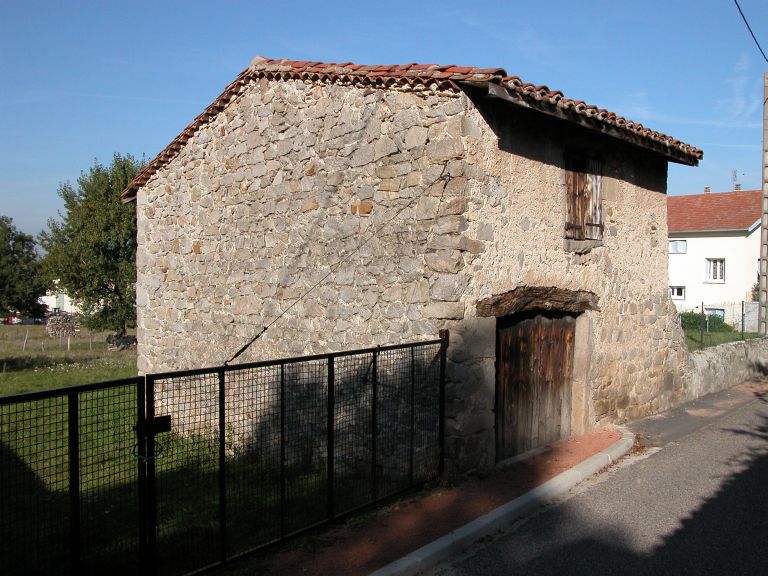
176,472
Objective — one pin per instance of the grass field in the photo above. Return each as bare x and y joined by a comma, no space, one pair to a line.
35,506
31,360
694,340
35,472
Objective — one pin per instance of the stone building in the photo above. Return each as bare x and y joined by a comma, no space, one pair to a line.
420,197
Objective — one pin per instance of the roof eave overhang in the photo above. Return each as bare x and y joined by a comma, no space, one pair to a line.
669,152
712,231
492,89
128,195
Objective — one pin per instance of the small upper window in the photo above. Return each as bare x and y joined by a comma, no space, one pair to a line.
678,246
715,270
677,292
584,203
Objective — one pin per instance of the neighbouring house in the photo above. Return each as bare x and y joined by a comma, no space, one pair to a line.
416,198
59,302
714,253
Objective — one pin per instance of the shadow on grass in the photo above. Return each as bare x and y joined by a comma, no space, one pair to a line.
276,475
35,520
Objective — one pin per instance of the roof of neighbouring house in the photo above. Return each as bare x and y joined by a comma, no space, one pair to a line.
738,210
428,77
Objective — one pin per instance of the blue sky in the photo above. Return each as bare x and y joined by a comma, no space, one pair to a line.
83,80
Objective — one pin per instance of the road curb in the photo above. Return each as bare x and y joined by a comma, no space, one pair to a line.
505,515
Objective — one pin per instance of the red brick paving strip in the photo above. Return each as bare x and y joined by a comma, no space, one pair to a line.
361,546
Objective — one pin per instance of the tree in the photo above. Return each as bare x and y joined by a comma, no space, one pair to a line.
92,250
20,281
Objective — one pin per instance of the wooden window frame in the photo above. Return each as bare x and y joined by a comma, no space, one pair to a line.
584,198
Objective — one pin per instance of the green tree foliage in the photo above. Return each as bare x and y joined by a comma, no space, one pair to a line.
20,282
92,250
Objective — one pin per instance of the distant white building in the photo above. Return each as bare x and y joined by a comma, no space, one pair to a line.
58,302
714,251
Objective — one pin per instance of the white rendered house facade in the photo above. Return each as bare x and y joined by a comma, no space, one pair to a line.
58,301
714,248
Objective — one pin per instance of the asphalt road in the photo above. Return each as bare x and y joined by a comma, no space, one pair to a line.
696,502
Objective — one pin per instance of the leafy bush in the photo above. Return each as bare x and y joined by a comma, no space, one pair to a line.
712,323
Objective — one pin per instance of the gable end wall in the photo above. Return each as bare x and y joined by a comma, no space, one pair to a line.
279,191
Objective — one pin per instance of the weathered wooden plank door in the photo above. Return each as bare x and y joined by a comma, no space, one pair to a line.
534,363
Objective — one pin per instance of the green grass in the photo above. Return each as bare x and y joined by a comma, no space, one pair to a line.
694,340
34,471
34,468
31,360
34,489
34,484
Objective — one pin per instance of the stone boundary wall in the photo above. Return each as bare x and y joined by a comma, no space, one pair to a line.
726,365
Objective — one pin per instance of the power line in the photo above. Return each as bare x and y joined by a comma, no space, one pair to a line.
750,30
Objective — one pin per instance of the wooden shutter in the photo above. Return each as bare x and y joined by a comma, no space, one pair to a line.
574,184
584,200
593,199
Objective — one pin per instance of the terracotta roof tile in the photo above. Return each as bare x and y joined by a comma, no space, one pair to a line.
716,211
424,77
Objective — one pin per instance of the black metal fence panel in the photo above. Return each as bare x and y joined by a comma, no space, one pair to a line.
68,480
183,472
109,515
172,473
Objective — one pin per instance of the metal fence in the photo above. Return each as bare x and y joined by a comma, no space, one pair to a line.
177,472
720,322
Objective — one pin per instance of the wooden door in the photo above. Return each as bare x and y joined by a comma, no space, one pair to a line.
534,364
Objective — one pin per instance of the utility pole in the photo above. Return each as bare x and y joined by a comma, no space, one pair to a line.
763,294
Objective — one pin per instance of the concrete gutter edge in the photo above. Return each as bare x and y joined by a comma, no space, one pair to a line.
504,516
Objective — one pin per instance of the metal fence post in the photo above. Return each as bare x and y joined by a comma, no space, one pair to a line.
742,319
222,468
445,340
413,418
282,451
151,485
141,459
74,482
701,327
374,395
330,439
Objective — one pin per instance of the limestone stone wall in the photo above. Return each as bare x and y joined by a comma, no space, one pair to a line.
634,359
720,367
294,184
408,208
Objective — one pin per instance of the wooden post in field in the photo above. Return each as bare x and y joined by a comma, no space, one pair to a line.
68,339
90,341
26,337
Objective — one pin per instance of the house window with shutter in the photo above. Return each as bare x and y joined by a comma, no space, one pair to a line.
584,204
